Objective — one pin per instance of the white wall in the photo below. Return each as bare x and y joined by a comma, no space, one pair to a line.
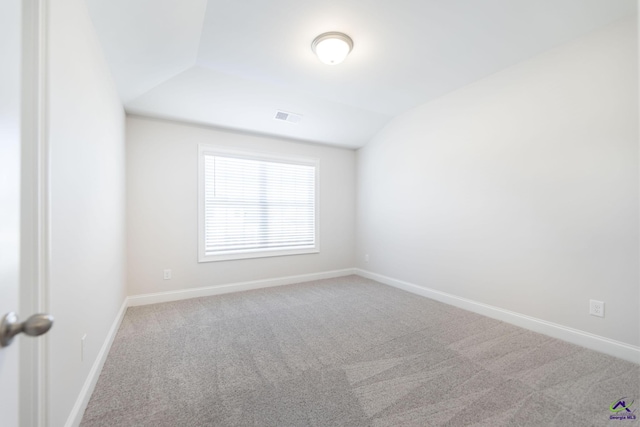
162,208
518,191
86,134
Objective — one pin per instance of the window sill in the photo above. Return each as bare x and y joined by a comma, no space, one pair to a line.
256,254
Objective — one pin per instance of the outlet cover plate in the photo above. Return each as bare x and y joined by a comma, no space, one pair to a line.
596,308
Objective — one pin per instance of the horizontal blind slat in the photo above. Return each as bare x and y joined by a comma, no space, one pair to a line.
252,204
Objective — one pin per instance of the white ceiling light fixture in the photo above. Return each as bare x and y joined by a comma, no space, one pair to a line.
332,48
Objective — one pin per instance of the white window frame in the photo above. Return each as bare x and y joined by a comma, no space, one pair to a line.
252,155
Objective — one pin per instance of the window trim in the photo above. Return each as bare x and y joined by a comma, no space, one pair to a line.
253,155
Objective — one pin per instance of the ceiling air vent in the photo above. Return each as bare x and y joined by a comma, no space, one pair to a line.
287,117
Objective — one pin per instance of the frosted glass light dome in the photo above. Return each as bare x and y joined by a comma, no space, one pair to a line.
332,48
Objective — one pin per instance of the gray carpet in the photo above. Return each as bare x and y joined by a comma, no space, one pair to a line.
347,352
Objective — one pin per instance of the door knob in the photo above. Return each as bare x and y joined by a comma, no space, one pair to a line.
35,325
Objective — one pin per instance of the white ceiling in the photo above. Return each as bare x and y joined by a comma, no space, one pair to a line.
232,63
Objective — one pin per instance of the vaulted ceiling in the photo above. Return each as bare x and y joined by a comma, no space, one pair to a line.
233,63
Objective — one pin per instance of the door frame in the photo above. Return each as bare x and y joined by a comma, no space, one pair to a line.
34,213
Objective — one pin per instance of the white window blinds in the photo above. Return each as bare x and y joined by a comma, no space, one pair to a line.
253,206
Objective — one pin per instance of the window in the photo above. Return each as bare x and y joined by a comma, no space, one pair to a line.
256,205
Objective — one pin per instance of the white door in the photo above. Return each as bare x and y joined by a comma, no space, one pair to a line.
10,54
23,391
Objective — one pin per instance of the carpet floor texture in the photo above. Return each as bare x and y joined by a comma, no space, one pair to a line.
348,352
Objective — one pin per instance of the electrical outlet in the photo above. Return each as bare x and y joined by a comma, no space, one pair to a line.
167,274
596,308
82,347
366,258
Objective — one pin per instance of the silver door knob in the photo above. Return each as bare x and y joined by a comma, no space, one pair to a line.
35,325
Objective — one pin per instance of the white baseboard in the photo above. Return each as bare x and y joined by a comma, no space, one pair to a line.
75,417
585,339
159,297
